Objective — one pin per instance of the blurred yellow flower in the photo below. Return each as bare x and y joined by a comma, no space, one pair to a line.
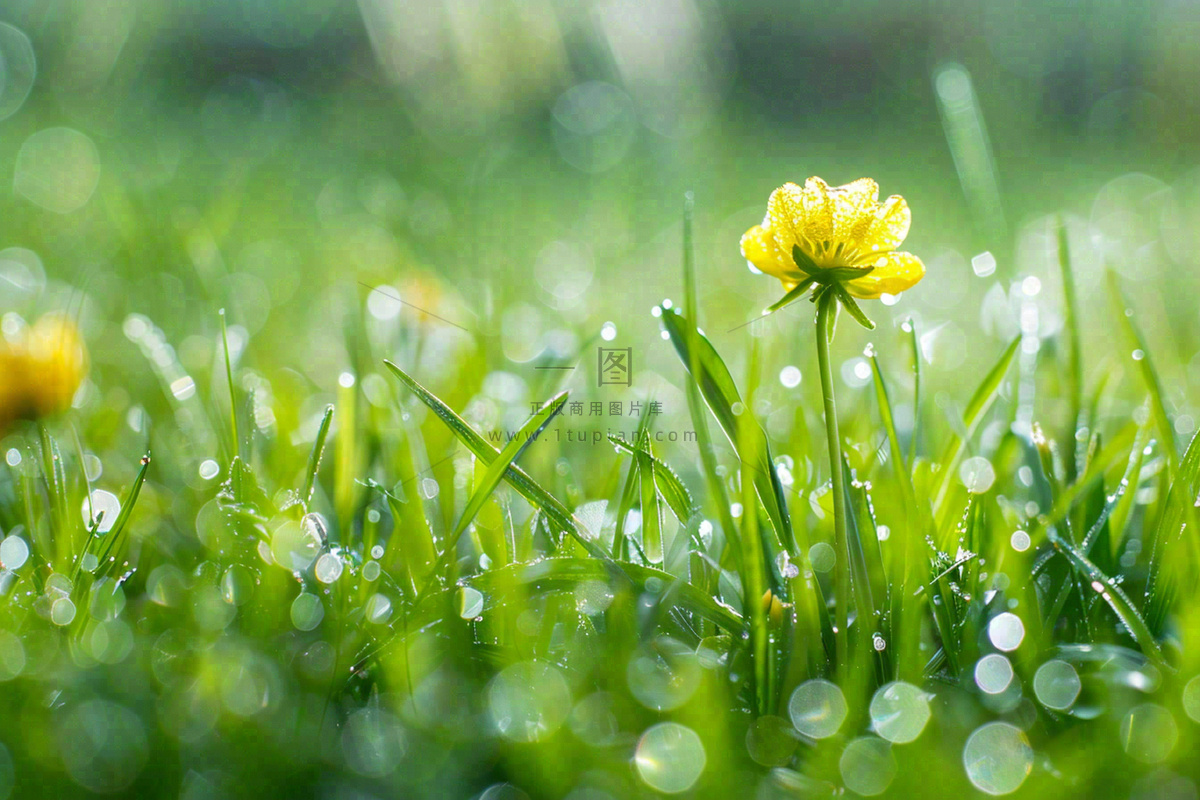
840,233
41,369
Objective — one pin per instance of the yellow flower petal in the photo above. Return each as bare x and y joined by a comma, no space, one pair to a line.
787,218
894,273
57,360
818,210
760,249
885,229
851,205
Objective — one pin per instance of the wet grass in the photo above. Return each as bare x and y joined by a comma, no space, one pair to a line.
440,576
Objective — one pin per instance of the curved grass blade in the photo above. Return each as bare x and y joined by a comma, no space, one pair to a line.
721,396
564,574
526,436
115,535
652,541
1177,516
236,444
708,459
755,592
554,510
1114,596
678,498
1145,365
314,458
1075,349
916,522
911,328
980,402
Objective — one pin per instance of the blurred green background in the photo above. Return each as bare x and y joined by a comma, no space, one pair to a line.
230,153
514,171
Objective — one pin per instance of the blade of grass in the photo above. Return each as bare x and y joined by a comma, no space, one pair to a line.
314,459
911,328
115,534
495,472
1075,348
236,444
678,498
917,525
652,542
554,510
1145,366
1177,516
565,574
721,396
980,402
704,443
754,586
1114,596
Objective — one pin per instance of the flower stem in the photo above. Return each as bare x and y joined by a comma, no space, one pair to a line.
826,305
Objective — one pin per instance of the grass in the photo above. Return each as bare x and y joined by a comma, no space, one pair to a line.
429,614
334,515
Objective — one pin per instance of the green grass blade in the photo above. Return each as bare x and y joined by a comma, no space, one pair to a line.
236,444
1114,596
678,498
554,510
652,541
704,444
915,346
1119,521
754,586
1145,365
116,534
1075,348
314,458
980,402
1178,514
495,472
721,396
565,574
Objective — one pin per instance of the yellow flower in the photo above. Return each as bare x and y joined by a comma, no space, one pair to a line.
41,370
842,228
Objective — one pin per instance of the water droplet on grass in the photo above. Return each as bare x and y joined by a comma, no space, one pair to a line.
379,609
1149,733
868,766
307,611
993,673
14,552
62,611
822,557
528,701
373,742
1006,631
771,741
817,708
997,758
670,758
977,474
899,712
1191,699
329,568
470,602
1056,685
